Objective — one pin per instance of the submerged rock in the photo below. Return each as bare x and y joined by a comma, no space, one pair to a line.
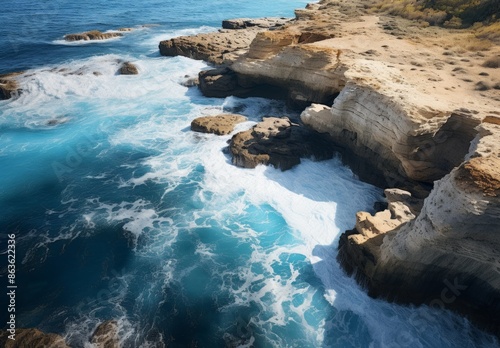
128,68
220,124
31,338
190,81
279,142
91,35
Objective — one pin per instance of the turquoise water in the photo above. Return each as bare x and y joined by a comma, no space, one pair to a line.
121,212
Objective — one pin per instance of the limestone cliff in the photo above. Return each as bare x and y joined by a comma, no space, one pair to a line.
448,256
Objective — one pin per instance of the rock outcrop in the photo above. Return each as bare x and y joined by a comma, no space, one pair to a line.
220,124
31,338
222,47
128,68
91,35
106,335
447,256
9,87
265,23
406,143
223,82
278,142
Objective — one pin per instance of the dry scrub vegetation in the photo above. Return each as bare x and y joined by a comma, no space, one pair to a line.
483,16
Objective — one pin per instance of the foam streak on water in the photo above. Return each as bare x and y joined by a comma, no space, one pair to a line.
123,213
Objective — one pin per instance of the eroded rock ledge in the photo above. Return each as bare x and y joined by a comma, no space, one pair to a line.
448,256
224,46
92,35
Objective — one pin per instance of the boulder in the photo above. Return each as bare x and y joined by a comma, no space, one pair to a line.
220,124
278,142
128,68
9,87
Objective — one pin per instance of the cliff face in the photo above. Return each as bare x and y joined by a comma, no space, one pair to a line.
448,256
278,58
406,143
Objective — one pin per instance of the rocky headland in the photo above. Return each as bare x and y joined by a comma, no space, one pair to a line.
412,108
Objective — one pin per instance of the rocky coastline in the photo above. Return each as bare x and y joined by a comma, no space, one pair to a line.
410,114
405,111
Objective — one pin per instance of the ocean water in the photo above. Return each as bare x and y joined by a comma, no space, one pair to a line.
121,212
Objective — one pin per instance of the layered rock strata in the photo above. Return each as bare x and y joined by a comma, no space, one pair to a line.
277,142
265,23
220,124
91,35
222,47
449,255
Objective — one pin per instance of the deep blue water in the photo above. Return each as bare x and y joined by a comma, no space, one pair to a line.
120,212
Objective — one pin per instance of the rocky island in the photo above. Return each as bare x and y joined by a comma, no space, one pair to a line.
412,108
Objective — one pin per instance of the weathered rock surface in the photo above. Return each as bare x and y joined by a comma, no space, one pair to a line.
449,255
91,35
407,143
278,142
128,68
266,23
31,338
223,82
9,87
222,47
220,124
106,335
